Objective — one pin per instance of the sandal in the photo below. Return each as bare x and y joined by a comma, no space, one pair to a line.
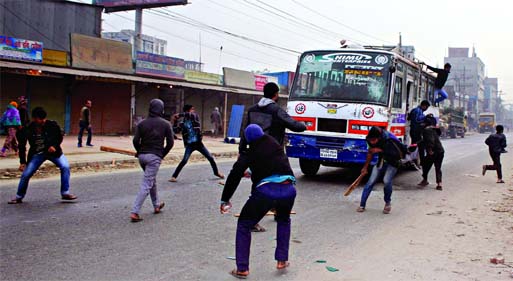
500,181
257,228
15,201
135,218
239,274
159,208
220,175
68,197
387,209
360,209
282,265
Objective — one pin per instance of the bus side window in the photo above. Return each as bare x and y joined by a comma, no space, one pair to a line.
398,92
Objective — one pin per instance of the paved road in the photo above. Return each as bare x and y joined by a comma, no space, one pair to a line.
92,239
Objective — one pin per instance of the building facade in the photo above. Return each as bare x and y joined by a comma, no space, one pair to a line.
491,90
467,78
150,44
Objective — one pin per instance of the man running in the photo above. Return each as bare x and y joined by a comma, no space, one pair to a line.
496,145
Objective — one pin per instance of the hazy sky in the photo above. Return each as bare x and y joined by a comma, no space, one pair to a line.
431,26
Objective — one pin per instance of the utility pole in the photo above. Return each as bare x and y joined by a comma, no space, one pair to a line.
138,31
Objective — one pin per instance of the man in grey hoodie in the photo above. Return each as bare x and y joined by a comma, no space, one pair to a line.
149,143
273,120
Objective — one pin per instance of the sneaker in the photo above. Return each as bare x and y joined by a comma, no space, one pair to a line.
484,170
79,145
500,181
423,183
90,145
15,201
135,218
159,208
360,209
438,187
387,209
173,179
68,197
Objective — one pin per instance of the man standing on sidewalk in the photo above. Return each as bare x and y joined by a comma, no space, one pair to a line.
390,151
496,145
273,120
215,120
85,124
45,138
149,143
190,128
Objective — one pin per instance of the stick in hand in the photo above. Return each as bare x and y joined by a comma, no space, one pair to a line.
354,185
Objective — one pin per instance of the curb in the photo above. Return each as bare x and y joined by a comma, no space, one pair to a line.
169,160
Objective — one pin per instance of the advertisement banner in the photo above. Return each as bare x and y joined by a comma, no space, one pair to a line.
20,49
162,66
203,77
123,5
245,79
54,57
100,54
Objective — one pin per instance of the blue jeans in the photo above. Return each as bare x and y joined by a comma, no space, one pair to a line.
189,149
34,164
440,95
272,195
387,172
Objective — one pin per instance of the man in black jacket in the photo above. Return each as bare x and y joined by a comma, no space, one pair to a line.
45,138
434,152
441,78
496,145
149,143
273,187
273,120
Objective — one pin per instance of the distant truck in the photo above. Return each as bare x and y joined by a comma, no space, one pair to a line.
487,122
452,123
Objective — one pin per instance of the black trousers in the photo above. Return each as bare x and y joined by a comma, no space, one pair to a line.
496,158
428,162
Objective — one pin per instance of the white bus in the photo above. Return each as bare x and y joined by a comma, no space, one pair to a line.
341,94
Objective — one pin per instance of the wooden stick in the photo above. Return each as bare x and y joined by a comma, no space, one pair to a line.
268,214
353,185
117,150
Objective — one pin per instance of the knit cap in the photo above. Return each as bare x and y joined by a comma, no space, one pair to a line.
253,132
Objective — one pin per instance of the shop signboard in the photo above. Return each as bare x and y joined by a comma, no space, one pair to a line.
54,57
162,66
245,79
203,77
123,5
20,49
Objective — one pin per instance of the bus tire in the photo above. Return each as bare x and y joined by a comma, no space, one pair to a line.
309,167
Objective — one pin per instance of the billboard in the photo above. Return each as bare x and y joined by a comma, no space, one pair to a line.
123,5
203,77
20,49
245,79
100,54
162,66
54,57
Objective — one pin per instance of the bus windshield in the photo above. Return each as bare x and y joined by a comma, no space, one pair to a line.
343,76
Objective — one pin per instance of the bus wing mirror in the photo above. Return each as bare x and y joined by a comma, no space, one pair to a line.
392,68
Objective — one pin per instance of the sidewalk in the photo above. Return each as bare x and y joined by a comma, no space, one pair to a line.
92,156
